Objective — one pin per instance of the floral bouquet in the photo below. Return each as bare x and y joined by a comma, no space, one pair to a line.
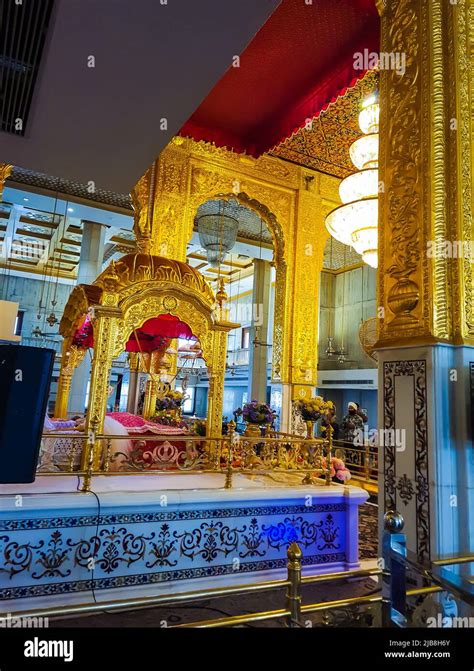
173,400
256,413
314,408
338,469
198,427
169,419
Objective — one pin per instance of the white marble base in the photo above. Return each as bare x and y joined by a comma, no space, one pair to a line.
163,534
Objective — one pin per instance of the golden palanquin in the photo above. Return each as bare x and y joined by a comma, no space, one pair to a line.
132,290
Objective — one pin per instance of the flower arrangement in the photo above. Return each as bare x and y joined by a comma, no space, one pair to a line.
168,419
198,427
314,408
173,400
338,469
256,413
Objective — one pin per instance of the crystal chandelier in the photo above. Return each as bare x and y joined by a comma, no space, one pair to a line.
355,222
217,234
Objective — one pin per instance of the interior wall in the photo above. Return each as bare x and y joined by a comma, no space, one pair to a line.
345,300
27,292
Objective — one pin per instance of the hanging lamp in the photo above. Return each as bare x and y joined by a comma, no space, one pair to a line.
217,234
355,222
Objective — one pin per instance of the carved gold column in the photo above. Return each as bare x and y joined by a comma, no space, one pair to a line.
62,394
160,202
426,170
316,197
216,383
70,359
149,402
105,337
425,282
5,172
310,241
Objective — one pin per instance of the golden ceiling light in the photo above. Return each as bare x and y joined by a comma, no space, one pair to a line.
355,222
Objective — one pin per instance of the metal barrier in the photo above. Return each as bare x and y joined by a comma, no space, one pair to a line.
397,561
100,454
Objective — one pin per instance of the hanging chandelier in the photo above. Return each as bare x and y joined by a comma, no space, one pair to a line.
217,235
355,222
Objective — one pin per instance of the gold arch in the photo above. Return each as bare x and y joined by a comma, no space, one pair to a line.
279,260
155,302
130,291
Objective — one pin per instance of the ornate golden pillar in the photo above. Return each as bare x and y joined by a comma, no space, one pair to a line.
216,383
105,337
315,199
70,359
425,289
160,202
5,172
425,281
149,402
311,237
62,394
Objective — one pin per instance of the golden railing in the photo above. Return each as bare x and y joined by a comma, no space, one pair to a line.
100,454
362,461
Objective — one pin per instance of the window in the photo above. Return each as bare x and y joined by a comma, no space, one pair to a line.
19,322
188,405
245,337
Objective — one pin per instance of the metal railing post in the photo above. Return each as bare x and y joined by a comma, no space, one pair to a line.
230,454
293,593
394,590
367,462
89,458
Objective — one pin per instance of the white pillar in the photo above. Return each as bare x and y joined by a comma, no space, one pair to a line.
426,394
90,266
133,389
260,308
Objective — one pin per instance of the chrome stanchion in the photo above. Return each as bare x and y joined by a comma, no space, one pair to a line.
394,577
293,594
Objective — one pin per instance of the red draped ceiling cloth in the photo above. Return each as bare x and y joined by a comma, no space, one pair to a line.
154,333
299,62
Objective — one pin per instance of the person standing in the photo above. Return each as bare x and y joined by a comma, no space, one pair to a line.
353,423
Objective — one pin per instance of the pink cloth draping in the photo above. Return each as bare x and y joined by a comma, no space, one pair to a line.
136,424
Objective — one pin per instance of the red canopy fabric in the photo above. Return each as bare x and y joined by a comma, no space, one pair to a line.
84,336
300,61
154,334
157,333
